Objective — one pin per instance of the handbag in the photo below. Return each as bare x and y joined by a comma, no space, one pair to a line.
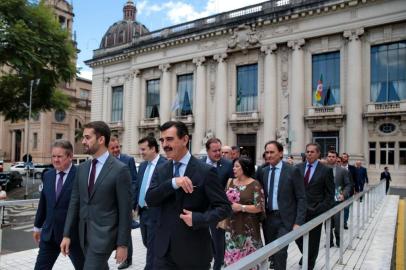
223,224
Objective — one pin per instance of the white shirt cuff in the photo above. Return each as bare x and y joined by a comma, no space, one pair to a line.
174,184
37,229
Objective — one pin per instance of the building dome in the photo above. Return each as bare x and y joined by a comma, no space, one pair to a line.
125,30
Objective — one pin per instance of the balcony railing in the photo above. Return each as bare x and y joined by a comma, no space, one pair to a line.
324,111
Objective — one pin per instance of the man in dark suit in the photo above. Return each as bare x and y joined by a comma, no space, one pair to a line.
354,182
343,189
115,150
224,169
190,198
52,208
285,200
362,175
149,150
100,202
385,175
319,185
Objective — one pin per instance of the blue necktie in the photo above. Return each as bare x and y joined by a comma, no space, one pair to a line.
141,200
177,167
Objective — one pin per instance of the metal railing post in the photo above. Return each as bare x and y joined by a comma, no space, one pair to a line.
341,237
328,240
351,227
362,213
305,258
367,206
358,217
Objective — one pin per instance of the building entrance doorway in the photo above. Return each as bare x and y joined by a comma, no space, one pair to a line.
248,145
327,140
17,146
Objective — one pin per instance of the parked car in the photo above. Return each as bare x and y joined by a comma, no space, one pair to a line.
10,179
1,165
41,168
21,168
79,158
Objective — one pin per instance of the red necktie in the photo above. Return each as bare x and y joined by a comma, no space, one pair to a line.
92,177
307,175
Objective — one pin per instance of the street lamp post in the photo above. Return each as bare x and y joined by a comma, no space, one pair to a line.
28,138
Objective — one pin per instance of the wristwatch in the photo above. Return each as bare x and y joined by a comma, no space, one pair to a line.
243,208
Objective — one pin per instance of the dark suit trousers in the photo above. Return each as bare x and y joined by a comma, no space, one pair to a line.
167,263
130,249
96,261
314,242
49,252
148,228
218,241
275,229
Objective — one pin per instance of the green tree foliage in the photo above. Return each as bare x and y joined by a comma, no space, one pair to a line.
33,46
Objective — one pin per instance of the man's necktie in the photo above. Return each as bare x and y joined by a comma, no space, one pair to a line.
270,189
177,167
59,185
92,177
307,175
143,191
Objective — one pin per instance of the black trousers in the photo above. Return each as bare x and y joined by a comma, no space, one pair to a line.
314,242
167,263
148,228
275,229
218,245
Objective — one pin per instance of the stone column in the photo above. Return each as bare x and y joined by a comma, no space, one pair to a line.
200,105
270,90
135,111
13,145
221,99
296,98
165,94
354,132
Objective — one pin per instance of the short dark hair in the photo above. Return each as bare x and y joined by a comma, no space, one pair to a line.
276,143
100,129
64,144
248,167
235,148
181,128
210,141
152,142
314,144
332,152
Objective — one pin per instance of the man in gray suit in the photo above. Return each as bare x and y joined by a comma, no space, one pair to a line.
100,202
285,200
343,187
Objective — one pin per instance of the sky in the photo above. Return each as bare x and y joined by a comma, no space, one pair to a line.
93,18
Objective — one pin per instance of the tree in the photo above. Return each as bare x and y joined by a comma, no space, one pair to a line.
33,46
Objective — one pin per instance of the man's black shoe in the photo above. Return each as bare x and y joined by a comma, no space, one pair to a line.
300,262
345,226
125,264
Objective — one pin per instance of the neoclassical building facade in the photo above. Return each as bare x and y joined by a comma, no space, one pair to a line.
333,72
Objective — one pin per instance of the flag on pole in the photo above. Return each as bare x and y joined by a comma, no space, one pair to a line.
186,106
319,91
175,104
327,97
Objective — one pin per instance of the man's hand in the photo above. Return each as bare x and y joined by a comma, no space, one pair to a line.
187,217
185,183
65,246
121,254
36,236
340,197
236,207
295,226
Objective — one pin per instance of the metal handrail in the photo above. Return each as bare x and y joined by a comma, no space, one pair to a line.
18,202
260,257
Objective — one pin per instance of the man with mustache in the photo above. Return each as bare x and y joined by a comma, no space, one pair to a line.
190,198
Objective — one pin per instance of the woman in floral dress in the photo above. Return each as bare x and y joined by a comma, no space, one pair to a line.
246,195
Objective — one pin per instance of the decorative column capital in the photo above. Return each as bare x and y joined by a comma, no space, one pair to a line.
199,60
296,44
353,34
135,73
221,57
165,67
269,49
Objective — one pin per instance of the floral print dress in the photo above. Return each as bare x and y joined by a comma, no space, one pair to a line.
243,235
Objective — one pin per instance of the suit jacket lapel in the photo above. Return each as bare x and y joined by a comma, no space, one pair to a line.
265,179
104,171
282,180
53,189
315,174
68,180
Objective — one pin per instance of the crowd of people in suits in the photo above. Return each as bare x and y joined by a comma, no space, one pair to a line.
191,211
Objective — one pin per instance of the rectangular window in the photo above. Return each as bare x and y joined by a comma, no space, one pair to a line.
184,98
35,140
402,153
326,79
59,136
387,153
388,72
117,104
152,107
372,152
247,88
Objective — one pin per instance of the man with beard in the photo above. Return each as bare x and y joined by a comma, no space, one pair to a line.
224,171
100,202
190,198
